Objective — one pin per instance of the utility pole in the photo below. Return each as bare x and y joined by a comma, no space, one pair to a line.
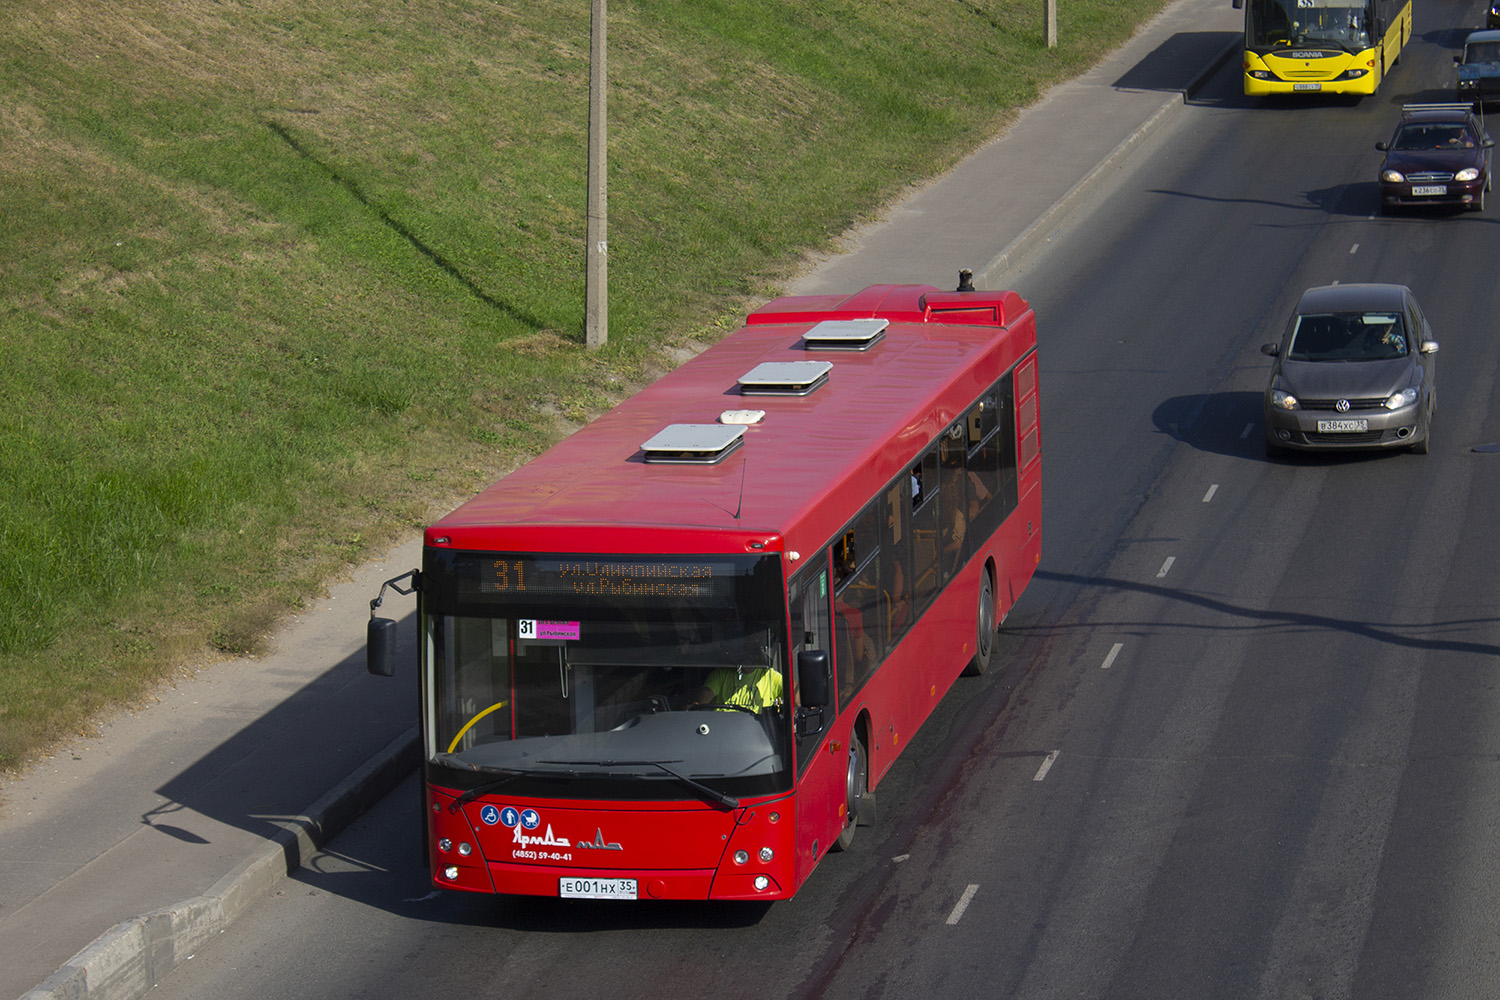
596,281
1049,22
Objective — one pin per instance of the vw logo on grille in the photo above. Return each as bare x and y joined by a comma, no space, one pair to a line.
1342,406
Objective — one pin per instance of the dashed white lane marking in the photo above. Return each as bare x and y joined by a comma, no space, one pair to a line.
1246,432
1166,567
1041,772
962,904
1114,651
1207,497
1354,249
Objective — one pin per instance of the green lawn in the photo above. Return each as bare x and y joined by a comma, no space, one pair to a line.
280,282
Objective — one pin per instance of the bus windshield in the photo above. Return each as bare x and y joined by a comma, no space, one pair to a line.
1333,24
638,676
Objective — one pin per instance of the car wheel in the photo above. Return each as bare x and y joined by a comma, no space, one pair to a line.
1477,204
1424,446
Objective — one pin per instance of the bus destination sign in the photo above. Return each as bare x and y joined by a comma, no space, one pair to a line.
606,578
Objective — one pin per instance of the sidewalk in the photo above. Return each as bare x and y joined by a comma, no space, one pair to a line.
122,855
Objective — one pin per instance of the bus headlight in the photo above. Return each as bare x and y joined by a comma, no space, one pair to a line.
1467,174
1353,74
741,857
1260,74
766,854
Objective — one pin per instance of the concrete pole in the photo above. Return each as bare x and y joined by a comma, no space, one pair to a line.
596,283
1049,22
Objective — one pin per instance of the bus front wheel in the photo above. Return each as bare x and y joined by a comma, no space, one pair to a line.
856,787
984,638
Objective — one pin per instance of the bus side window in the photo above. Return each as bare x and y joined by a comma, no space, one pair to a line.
954,507
808,606
925,531
895,580
983,463
856,604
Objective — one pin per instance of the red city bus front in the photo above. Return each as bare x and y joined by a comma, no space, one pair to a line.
612,850
608,725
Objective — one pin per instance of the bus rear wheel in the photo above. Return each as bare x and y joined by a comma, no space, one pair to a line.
856,787
984,638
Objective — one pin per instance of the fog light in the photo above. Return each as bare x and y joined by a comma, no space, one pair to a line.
465,849
761,882
766,854
445,844
740,857
451,873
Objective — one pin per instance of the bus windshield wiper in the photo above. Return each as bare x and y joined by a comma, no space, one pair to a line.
510,774
713,795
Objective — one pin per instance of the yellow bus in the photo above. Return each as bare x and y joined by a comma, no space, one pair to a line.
1322,46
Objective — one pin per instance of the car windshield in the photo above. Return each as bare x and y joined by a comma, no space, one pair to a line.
1482,52
1432,135
1348,336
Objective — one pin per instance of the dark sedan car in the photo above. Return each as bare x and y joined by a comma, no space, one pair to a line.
1354,369
1479,68
1438,155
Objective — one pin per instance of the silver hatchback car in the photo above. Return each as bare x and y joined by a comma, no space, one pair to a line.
1354,369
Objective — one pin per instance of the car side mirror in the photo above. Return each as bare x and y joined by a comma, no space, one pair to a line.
1272,349
1382,145
1429,347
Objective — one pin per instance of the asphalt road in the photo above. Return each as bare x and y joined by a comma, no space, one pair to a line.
1264,691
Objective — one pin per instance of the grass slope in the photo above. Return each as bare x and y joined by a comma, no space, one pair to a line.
280,280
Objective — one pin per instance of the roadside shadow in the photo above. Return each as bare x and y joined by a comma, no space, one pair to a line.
1177,62
265,775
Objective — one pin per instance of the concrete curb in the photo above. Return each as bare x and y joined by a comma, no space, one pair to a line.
1040,231
125,962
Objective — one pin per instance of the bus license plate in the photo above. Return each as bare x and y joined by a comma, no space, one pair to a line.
1343,426
1421,189
1307,86
596,888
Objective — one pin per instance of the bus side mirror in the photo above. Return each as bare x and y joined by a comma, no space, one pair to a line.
812,677
380,647
380,634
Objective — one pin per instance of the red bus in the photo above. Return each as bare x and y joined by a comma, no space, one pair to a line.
673,656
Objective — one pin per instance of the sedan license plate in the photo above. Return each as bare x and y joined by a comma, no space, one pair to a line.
1417,190
1307,86
597,888
1343,426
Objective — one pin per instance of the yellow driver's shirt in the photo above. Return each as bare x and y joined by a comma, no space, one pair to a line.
755,689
